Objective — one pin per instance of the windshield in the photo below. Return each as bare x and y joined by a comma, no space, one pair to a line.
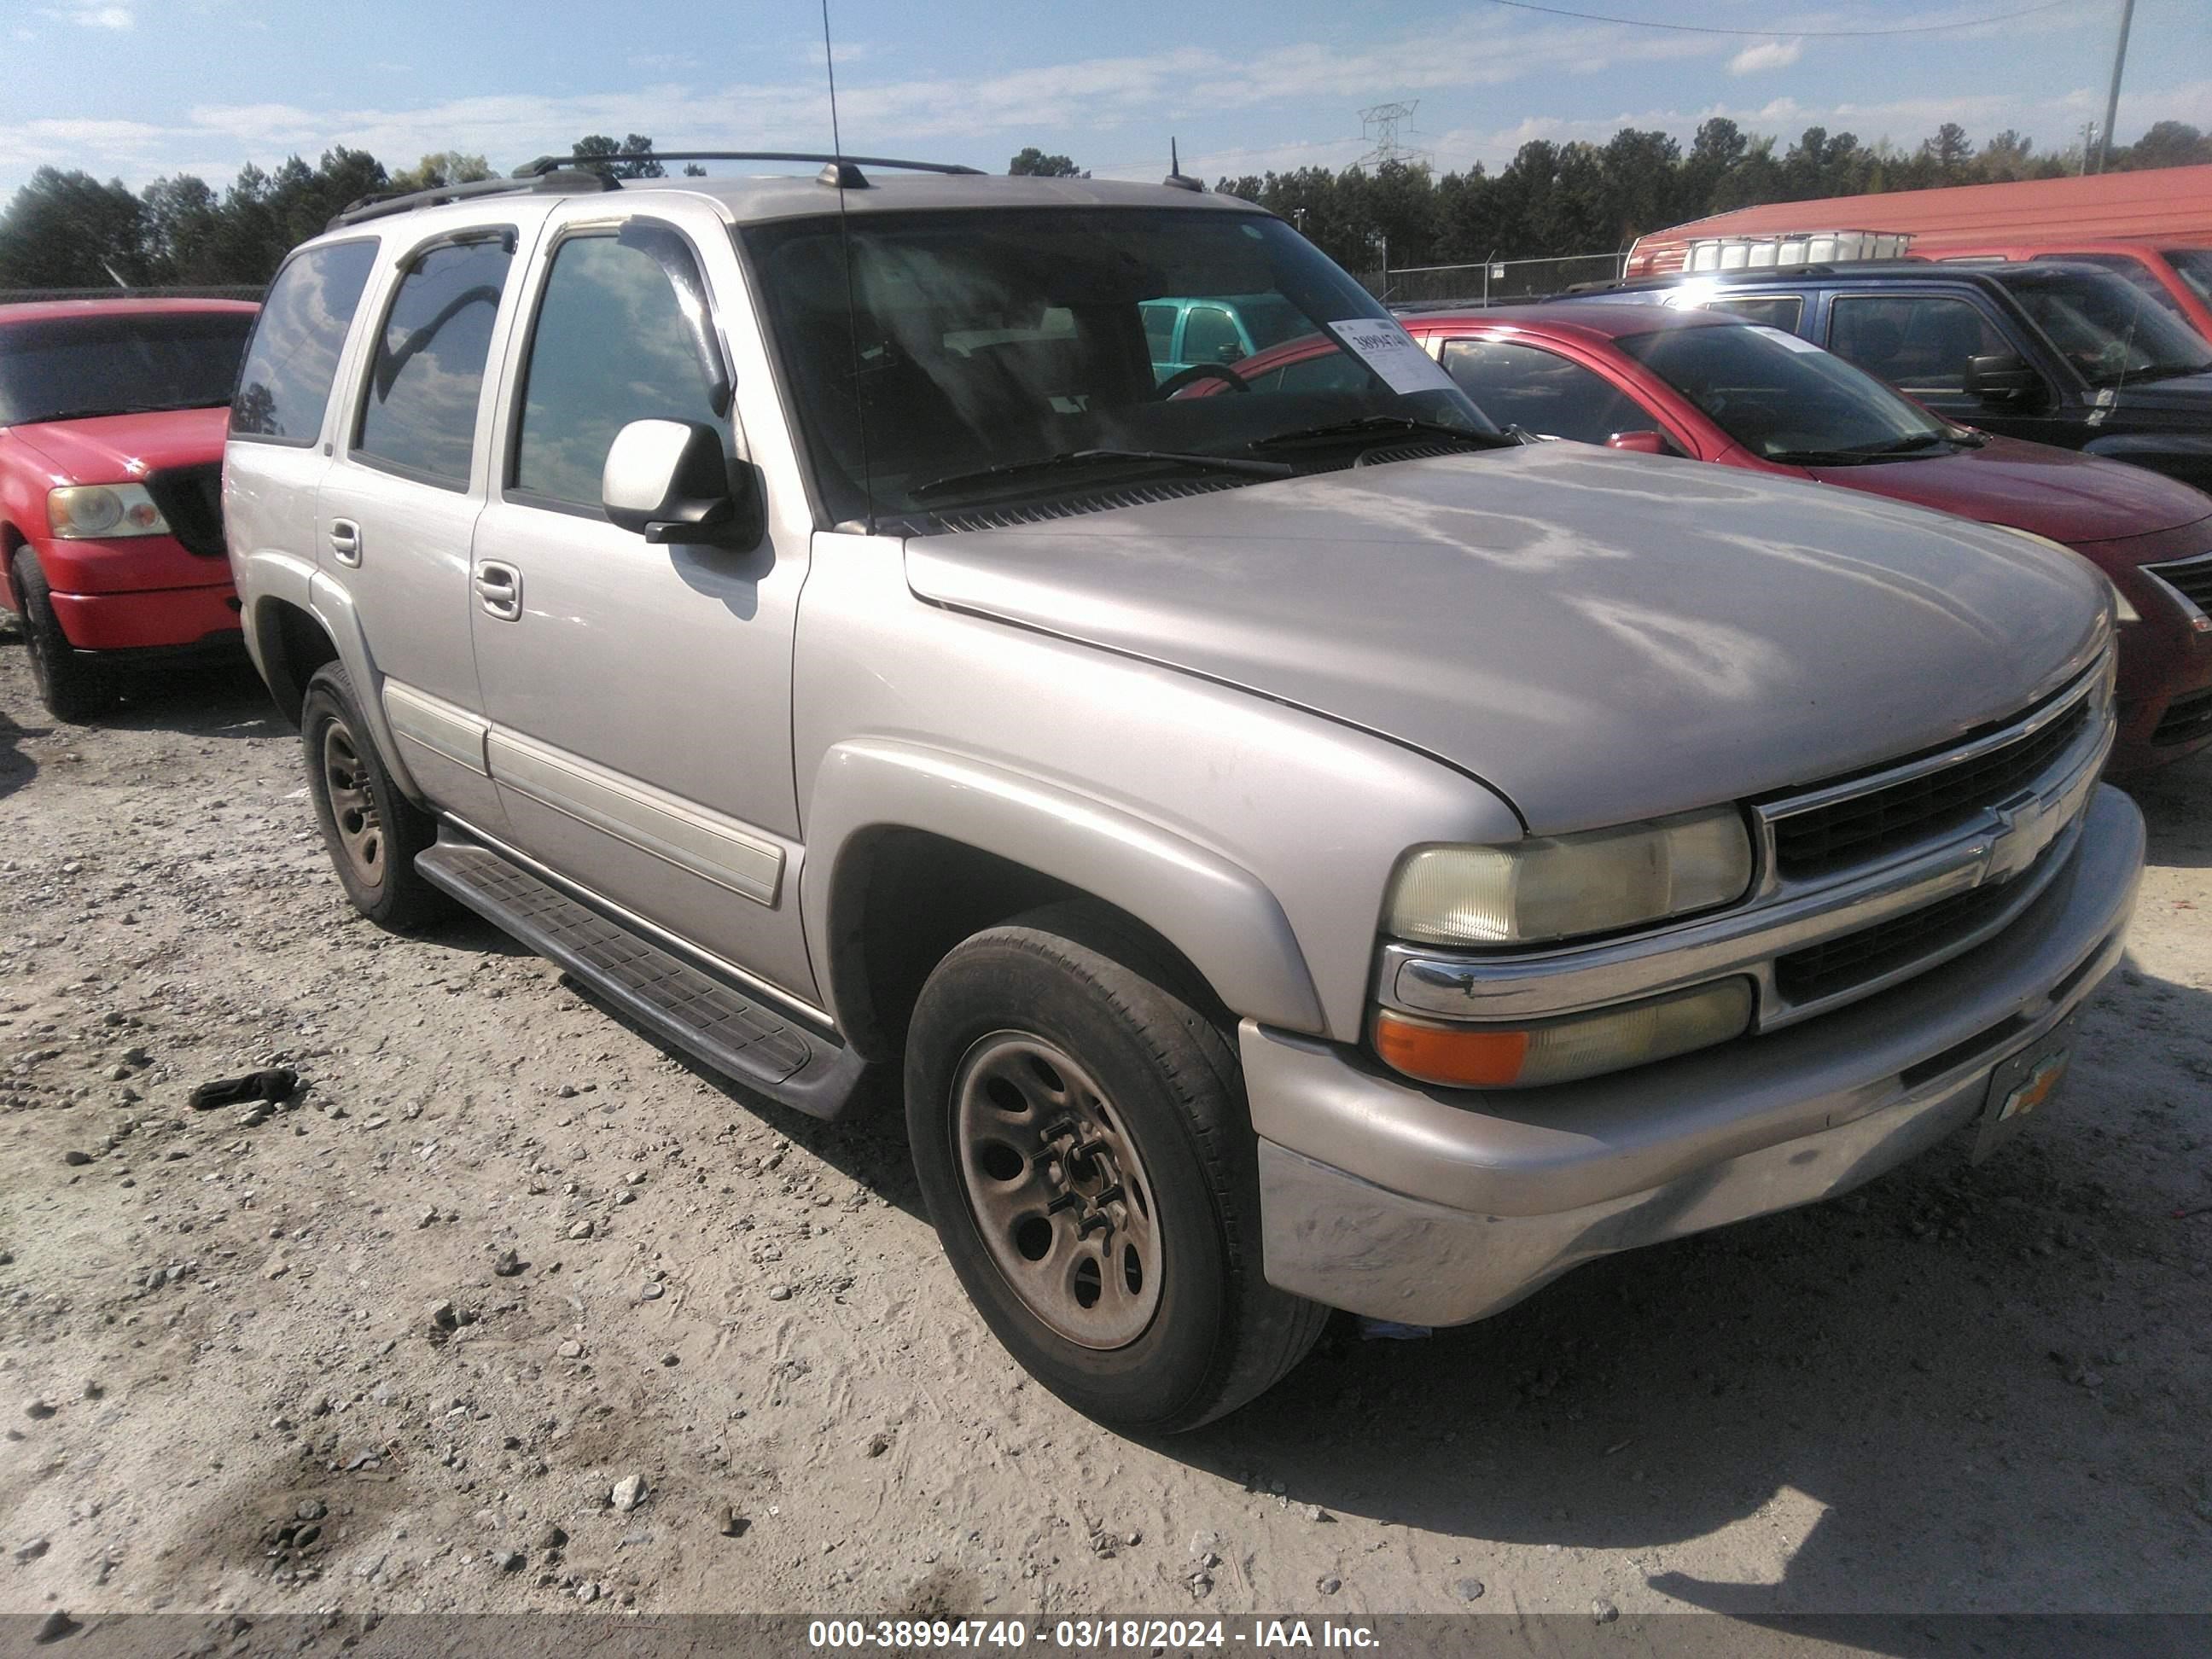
2104,328
1017,344
60,368
1781,397
2194,267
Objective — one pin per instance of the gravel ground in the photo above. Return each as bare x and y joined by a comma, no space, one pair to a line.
509,1310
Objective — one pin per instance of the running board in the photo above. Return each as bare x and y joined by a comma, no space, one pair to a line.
741,1036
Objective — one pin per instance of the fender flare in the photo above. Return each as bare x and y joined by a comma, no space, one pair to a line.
281,577
1217,914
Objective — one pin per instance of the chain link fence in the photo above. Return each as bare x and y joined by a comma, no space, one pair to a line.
1495,283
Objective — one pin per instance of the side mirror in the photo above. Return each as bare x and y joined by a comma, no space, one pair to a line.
2002,377
1231,353
1642,443
669,480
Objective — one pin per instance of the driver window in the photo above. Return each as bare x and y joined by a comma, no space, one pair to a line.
1919,344
1210,336
611,347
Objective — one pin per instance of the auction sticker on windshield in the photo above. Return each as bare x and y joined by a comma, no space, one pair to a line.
1384,346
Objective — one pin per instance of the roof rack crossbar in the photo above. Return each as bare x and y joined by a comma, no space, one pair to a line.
546,165
380,206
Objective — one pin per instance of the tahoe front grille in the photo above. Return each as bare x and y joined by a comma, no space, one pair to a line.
1843,964
2191,577
1823,839
191,499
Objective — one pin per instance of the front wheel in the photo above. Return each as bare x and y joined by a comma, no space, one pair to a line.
1081,1140
73,686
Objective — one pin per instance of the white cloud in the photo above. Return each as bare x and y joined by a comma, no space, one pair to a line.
87,16
1766,55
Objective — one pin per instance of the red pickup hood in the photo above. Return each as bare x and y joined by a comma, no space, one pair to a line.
2070,497
116,448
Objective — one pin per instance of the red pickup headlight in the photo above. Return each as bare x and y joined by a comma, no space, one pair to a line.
98,512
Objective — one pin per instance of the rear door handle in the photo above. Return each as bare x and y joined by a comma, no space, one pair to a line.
498,588
345,542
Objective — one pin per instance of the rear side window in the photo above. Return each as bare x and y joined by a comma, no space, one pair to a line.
611,347
285,386
1521,385
1160,331
1779,311
419,417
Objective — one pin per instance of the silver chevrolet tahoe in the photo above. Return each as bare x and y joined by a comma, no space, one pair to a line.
1299,847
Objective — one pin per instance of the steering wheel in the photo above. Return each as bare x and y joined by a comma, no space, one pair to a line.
1198,372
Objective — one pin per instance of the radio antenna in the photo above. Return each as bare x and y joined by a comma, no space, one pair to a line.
852,309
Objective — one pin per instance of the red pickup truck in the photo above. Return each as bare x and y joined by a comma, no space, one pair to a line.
112,415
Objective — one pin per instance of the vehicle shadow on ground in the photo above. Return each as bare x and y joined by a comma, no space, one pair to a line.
2177,809
215,700
16,766
867,1145
1882,1365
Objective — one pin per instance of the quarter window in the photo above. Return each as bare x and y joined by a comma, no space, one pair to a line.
1540,390
611,347
285,386
419,415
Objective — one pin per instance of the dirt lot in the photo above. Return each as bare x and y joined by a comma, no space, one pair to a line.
226,1385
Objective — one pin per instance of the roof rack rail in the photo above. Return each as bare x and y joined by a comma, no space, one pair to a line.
379,206
835,169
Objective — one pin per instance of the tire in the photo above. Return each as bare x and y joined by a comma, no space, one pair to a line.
1127,1175
74,687
371,831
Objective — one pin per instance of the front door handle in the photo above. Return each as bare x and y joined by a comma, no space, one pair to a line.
345,542
499,587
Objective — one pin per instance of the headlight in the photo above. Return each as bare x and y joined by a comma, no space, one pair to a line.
1561,1050
76,512
1562,886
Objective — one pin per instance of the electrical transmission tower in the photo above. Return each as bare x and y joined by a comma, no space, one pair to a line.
1378,124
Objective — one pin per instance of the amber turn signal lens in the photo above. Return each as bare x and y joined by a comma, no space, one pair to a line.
1561,1050
1457,1055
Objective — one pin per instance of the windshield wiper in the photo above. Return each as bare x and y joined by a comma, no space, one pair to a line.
1382,426
94,413
1920,444
1014,472
2163,372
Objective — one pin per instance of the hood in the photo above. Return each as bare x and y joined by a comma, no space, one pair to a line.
2059,493
2185,400
1599,636
116,448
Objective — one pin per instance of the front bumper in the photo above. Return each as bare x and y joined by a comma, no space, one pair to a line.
184,617
1436,1206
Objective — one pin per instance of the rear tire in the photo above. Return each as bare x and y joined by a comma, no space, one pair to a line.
371,831
1081,1140
73,686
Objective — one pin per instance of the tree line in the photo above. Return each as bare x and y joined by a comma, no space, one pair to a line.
68,230
1560,198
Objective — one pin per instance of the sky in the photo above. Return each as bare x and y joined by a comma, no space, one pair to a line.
140,88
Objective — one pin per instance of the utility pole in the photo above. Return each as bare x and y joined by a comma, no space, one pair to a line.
2088,147
2112,98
